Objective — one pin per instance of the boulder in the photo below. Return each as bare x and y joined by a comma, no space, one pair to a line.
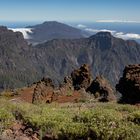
129,84
101,89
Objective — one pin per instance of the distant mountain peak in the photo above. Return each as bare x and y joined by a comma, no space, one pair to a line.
50,22
102,35
50,30
103,40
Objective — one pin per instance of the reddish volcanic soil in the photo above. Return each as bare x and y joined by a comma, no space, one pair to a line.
72,98
26,95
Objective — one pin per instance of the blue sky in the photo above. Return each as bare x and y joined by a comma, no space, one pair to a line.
69,10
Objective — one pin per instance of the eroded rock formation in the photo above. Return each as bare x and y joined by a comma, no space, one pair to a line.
73,89
129,84
43,91
81,77
101,89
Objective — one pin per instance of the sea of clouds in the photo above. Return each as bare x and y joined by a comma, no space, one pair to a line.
25,31
113,32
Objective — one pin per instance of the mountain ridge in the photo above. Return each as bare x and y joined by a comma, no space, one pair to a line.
95,51
22,64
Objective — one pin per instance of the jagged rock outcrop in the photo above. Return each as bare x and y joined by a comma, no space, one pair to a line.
81,78
71,90
66,86
101,89
68,83
44,91
129,84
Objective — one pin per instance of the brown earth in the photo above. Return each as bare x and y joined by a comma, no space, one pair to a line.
26,95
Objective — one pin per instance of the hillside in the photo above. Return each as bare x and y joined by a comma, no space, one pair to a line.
16,67
105,54
22,64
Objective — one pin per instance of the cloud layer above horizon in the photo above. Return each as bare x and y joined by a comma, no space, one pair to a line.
118,21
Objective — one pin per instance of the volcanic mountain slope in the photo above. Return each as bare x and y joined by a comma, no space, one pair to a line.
16,67
105,54
53,30
21,64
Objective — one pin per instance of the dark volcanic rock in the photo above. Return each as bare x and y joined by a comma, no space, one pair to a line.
81,77
129,84
102,89
43,91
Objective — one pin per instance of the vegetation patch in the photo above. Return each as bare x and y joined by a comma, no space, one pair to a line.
98,121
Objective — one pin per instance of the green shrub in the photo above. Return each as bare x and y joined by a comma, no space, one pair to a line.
6,119
135,117
98,121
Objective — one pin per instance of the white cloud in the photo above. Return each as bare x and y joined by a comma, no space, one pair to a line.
97,30
91,30
127,35
24,31
115,33
81,26
117,21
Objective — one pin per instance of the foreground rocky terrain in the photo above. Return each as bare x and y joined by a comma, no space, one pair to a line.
79,86
74,110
